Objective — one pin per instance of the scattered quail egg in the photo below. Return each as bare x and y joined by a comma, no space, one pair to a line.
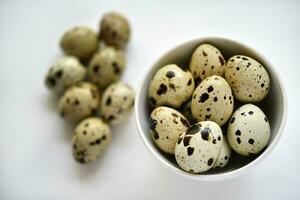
106,66
166,126
248,130
171,86
248,79
206,61
224,155
91,138
198,148
66,72
117,102
212,100
79,101
81,42
114,29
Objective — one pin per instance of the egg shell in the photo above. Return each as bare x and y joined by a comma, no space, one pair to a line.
206,61
248,79
66,72
212,100
198,148
79,101
91,137
248,130
171,86
106,66
166,126
224,156
117,102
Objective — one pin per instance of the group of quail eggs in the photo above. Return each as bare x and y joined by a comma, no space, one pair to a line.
193,113
92,96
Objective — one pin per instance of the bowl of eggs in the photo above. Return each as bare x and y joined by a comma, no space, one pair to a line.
211,109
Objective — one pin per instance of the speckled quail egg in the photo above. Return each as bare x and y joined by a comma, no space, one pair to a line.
248,79
80,41
91,138
114,29
224,155
166,126
248,130
212,100
106,66
198,148
66,72
171,86
79,101
117,102
206,61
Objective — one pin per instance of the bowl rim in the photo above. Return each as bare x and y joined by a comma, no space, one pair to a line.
225,175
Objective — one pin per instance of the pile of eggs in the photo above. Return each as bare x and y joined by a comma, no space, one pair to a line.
195,115
92,96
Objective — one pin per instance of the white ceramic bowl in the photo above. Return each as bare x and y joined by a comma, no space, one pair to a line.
274,106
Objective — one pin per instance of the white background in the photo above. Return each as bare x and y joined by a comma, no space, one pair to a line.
35,148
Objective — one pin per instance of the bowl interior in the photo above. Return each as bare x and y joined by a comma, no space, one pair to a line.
272,105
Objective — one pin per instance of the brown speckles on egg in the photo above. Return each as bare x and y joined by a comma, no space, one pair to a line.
184,122
203,97
108,101
251,141
215,99
189,82
238,139
153,101
116,67
170,74
190,151
210,89
186,140
204,53
155,134
162,89
205,133
172,86
250,112
96,68
232,120
238,132
210,161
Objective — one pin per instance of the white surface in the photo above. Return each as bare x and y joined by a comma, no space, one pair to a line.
35,149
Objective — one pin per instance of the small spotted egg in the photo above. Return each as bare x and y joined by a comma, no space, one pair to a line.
91,138
206,61
106,66
79,101
212,100
171,86
114,29
117,102
248,79
67,71
198,148
80,41
224,155
166,126
248,130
